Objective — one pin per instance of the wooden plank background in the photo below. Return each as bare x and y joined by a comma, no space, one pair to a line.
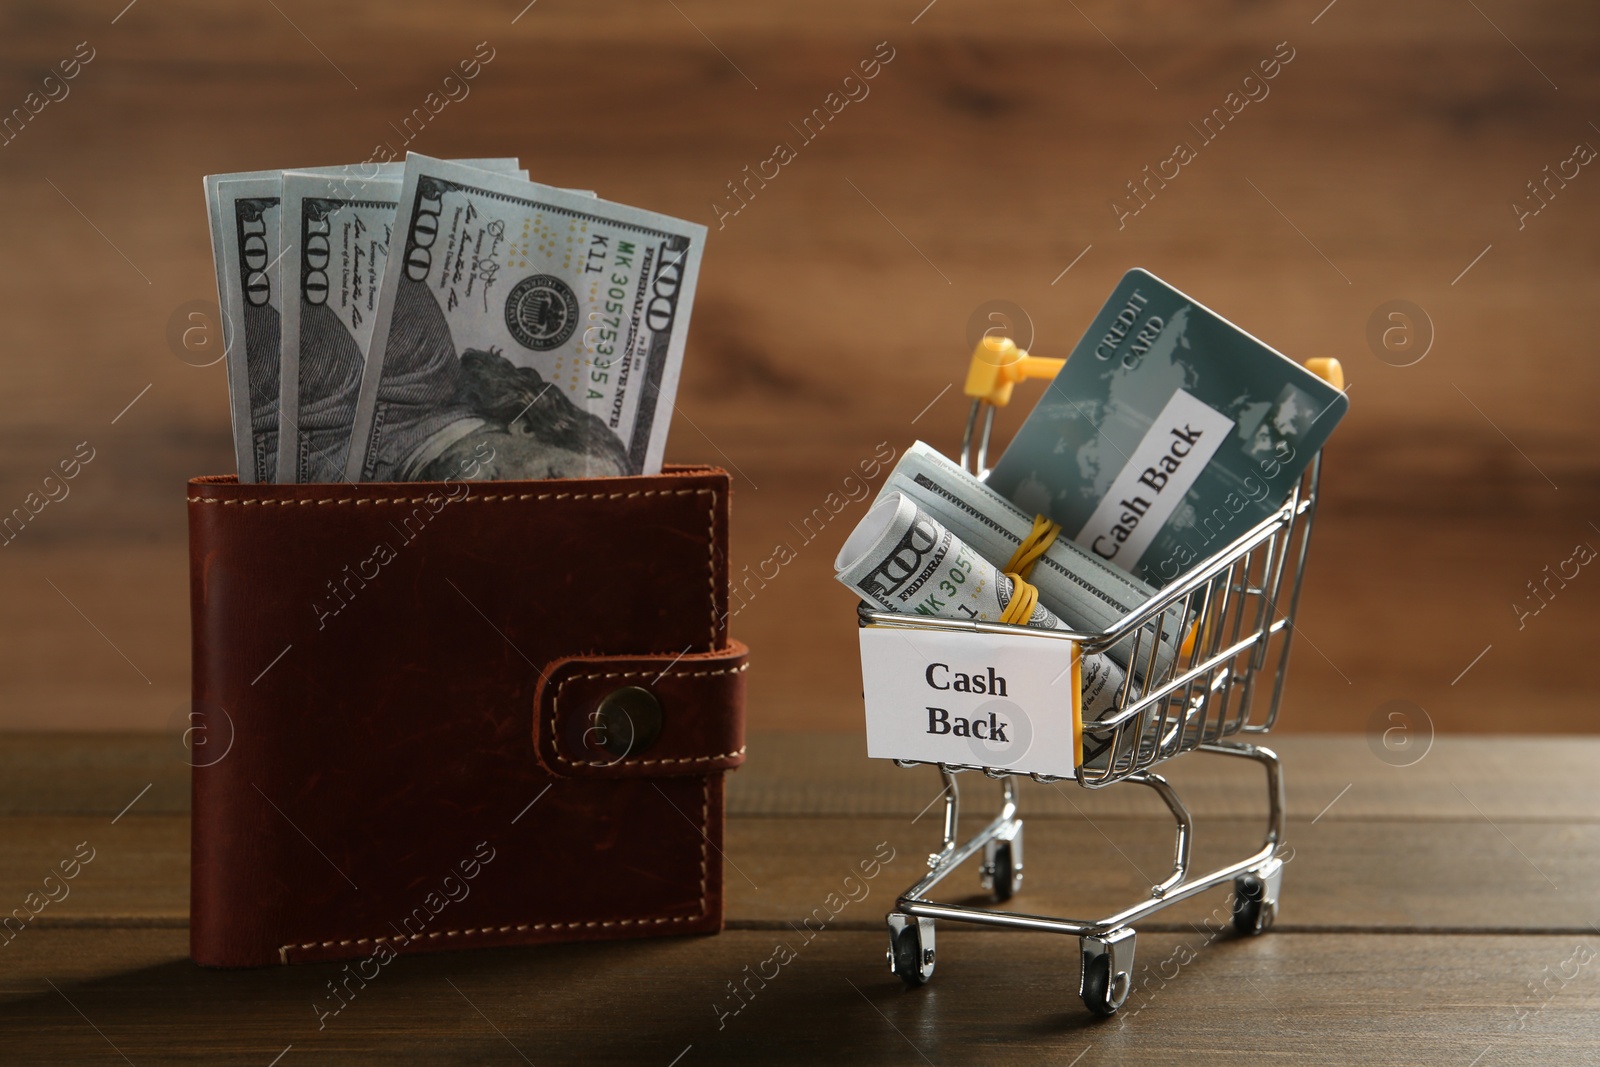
834,308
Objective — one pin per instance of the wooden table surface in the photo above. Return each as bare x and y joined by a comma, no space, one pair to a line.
1439,913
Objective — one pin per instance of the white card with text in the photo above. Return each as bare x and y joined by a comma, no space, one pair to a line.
988,700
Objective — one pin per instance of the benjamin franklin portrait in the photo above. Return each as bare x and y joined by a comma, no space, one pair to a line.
435,410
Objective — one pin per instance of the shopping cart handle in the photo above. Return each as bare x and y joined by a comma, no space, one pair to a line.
1328,369
998,364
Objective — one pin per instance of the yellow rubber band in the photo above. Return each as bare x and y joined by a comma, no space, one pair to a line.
1036,544
1190,638
1077,705
1024,599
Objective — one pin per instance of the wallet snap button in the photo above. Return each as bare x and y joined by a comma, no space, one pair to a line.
626,722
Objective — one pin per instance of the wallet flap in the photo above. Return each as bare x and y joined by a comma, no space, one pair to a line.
642,716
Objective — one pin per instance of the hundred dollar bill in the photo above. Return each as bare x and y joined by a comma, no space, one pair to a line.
254,400
533,329
904,560
244,275
215,219
252,301
336,231
365,171
336,237
1082,589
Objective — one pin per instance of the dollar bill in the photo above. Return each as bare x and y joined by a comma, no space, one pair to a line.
336,235
252,300
336,230
253,366
254,389
904,560
526,330
214,217
1085,591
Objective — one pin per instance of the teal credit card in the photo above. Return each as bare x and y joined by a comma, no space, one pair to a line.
1168,434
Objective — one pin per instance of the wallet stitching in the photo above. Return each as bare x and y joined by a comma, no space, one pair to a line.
588,924
268,502
705,840
711,565
711,515
555,704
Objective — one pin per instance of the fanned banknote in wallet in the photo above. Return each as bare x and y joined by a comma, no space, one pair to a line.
519,331
523,331
245,211
335,246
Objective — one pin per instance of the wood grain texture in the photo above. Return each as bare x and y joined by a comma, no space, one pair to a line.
833,309
1411,934
1391,851
995,998
806,775
1354,875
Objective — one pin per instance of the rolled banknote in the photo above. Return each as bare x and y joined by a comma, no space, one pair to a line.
1084,590
903,560
530,330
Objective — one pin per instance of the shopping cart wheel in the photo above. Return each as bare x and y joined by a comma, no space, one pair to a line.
1001,873
911,948
1107,971
1247,893
1255,899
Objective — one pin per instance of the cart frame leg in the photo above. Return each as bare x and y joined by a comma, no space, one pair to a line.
1107,945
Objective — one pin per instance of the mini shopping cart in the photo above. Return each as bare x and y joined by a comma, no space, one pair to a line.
1228,680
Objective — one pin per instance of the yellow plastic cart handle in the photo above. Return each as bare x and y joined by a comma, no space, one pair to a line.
1328,369
998,365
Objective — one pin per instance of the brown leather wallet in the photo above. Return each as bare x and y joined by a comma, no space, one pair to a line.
447,715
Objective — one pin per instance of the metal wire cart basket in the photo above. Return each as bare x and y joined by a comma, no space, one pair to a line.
1227,680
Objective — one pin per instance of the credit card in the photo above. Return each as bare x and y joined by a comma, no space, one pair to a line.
1168,433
